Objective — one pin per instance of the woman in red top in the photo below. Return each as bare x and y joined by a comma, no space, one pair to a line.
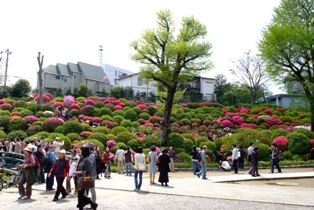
60,169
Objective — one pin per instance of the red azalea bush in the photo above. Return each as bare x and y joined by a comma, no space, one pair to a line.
312,142
6,106
244,110
96,119
280,110
237,120
50,124
85,134
271,121
281,142
60,104
2,101
302,116
268,111
107,123
49,95
226,123
155,119
87,110
89,102
205,103
30,119
15,113
248,125
75,106
142,106
118,107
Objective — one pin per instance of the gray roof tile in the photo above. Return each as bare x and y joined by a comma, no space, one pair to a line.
63,69
92,72
51,69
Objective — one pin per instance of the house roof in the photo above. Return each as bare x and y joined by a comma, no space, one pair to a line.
130,75
92,72
73,67
63,69
51,69
282,95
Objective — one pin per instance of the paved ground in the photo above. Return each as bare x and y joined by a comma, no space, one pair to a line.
186,191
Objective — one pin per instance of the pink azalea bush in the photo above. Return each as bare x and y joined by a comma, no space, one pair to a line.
52,123
89,102
302,116
226,123
142,106
111,143
86,134
244,110
237,120
281,142
312,142
183,105
271,121
75,106
30,119
69,100
118,107
248,125
268,111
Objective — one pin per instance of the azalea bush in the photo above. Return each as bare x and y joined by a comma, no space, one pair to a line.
281,142
111,143
298,143
50,124
17,124
30,119
87,110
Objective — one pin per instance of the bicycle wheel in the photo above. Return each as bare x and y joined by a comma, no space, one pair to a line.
1,185
16,180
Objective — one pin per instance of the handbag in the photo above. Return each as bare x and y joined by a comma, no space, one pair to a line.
148,159
85,182
141,166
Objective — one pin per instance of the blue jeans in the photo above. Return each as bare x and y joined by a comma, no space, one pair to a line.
203,171
49,181
138,183
128,169
275,162
195,167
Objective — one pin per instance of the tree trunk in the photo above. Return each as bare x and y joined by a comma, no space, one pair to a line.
165,123
311,101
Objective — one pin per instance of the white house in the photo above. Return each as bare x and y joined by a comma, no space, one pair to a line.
113,73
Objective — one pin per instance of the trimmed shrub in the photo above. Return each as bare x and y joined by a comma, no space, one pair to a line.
5,113
199,141
16,133
279,132
105,111
188,145
72,127
87,110
51,124
118,113
118,119
3,134
118,129
87,127
184,157
130,114
125,137
74,136
188,136
175,140
6,106
298,143
306,132
181,116
101,129
281,142
263,152
106,117
100,137
134,144
17,124
4,122
150,140
216,113
144,115
47,107
210,145
264,136
126,123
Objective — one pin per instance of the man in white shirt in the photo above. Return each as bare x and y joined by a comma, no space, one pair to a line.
249,153
235,158
58,144
224,165
119,157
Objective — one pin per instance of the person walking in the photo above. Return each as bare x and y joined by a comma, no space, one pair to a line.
164,169
52,159
28,175
152,167
39,154
235,156
97,152
119,157
106,159
254,161
172,156
84,165
275,158
241,158
60,169
249,157
73,161
93,174
203,163
195,166
58,144
140,166
128,161
18,147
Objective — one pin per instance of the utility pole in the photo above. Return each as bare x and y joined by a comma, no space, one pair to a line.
6,70
40,75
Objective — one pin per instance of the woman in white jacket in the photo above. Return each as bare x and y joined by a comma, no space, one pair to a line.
140,166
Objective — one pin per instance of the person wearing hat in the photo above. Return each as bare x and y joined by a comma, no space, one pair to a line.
73,161
60,169
164,160
58,144
92,158
28,175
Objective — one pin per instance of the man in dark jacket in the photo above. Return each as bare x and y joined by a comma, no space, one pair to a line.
92,158
40,171
275,158
254,162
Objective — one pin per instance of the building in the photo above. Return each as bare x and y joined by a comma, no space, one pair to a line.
288,101
135,82
113,73
71,75
200,89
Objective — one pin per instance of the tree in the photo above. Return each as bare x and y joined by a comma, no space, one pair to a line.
59,92
287,46
117,92
83,90
250,70
169,57
129,93
221,86
21,88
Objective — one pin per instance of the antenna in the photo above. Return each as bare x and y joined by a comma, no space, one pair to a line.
100,54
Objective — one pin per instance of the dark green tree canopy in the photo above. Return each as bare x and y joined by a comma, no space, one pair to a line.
287,45
21,88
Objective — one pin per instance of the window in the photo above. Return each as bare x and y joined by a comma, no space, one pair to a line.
57,76
193,84
115,73
139,81
74,76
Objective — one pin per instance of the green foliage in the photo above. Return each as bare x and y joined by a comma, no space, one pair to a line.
5,113
298,143
118,129
216,113
21,88
185,158
74,112
150,140
47,107
188,136
306,132
118,113
83,90
3,134
100,137
130,115
199,141
188,145
264,136
144,115
218,142
286,155
99,104
97,144
126,123
16,133
210,145
117,92
20,103
134,144
244,136
263,152
125,137
175,140
101,129
117,119
72,127
87,127
25,113
74,136
4,122
17,124
115,148
278,132
105,111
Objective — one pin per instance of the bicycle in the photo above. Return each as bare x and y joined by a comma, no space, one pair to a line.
14,178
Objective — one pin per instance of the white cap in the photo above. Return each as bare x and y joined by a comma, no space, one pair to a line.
63,151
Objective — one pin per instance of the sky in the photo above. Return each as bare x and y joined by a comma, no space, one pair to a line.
72,30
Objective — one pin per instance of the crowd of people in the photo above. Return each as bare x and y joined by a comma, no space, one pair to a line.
52,159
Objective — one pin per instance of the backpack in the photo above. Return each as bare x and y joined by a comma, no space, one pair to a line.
36,161
199,157
46,161
99,164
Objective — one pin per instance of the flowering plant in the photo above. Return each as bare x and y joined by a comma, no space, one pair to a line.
69,100
51,123
118,107
183,105
302,116
281,142
226,123
312,142
30,119
111,143
86,134
89,102
268,111
142,106
75,106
